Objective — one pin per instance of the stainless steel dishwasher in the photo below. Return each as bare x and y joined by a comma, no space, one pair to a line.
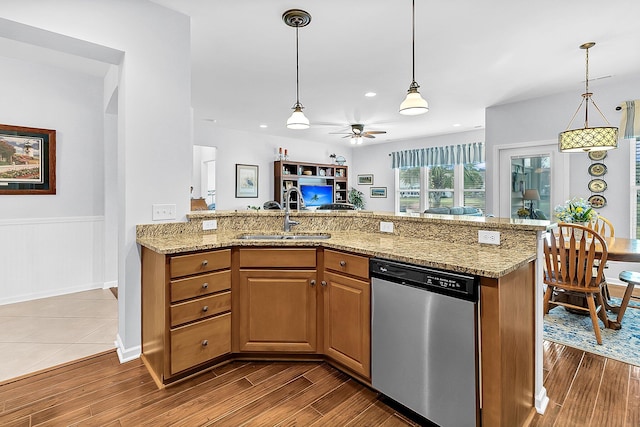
424,341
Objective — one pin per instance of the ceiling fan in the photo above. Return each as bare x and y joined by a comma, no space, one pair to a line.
358,133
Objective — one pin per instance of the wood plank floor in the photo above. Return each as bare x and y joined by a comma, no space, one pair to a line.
584,389
100,391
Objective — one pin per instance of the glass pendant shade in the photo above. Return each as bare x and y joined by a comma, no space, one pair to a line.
298,120
414,103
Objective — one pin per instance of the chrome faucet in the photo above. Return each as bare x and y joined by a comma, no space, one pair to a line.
288,222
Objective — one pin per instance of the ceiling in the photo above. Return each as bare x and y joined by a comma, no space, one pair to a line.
469,55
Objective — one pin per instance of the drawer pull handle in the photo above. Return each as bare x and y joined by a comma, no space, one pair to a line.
343,263
323,283
313,282
204,263
205,343
205,285
205,308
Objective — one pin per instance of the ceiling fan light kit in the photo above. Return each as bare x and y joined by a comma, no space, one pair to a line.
414,103
588,138
297,18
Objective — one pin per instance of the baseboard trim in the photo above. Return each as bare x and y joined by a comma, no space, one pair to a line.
542,400
124,354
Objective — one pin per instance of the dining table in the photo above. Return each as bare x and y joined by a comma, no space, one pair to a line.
618,249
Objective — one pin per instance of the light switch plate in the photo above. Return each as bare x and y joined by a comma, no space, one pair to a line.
386,227
211,224
490,237
163,212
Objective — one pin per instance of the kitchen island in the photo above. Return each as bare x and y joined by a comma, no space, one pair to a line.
509,342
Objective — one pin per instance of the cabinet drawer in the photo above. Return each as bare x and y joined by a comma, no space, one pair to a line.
200,342
201,262
353,265
276,257
200,308
201,285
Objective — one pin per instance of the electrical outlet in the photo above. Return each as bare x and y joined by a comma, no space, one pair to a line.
211,224
162,212
386,227
490,237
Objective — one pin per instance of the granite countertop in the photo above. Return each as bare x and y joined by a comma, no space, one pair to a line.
481,260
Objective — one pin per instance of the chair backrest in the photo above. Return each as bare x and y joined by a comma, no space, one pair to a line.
602,226
574,256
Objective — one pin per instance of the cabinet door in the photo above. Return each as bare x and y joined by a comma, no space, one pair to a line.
277,310
347,322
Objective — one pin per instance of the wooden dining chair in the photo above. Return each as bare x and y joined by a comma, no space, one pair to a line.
602,226
569,257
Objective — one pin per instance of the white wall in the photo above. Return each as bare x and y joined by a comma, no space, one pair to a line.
46,236
374,159
153,115
255,149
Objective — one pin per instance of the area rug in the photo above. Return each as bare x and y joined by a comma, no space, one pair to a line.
576,331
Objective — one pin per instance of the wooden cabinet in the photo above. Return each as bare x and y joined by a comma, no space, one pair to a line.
277,300
347,311
186,311
293,174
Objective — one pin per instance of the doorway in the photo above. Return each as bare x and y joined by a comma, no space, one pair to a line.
533,180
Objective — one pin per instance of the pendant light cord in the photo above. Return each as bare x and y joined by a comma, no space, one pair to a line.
297,73
587,95
413,40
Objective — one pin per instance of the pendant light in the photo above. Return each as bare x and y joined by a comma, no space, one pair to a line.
297,18
588,138
414,103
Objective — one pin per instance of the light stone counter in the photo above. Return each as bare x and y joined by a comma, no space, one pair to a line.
439,241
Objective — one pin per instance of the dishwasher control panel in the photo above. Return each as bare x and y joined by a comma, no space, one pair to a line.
446,282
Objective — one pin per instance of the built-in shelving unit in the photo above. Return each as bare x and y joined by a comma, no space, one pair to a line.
293,174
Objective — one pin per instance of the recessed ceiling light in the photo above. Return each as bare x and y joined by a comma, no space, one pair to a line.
263,126
370,94
456,125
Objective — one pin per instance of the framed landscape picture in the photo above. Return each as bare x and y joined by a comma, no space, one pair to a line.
365,179
246,180
27,160
378,192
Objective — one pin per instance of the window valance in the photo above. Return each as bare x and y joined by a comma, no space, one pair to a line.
630,121
431,156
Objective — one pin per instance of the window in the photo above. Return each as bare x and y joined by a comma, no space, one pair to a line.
635,190
420,188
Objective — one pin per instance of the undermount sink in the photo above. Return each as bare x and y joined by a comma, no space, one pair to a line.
284,236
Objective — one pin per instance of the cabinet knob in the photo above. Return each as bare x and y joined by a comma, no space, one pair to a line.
204,263
205,343
323,283
205,308
205,285
343,263
313,282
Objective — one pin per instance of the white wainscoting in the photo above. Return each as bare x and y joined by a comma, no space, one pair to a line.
45,257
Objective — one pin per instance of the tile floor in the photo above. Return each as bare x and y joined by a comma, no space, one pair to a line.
38,334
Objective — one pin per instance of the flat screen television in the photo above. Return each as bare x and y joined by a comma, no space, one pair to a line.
316,195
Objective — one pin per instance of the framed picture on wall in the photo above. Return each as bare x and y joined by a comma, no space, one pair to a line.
365,179
27,160
246,180
378,192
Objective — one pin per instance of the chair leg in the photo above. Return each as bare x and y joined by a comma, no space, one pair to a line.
547,297
625,301
602,313
594,318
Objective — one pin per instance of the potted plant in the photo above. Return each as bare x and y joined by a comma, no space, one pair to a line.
356,198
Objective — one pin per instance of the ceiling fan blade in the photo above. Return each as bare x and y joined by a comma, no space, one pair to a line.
340,133
367,135
348,136
375,132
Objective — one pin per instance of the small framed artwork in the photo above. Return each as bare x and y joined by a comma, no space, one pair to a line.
27,160
379,192
365,179
246,181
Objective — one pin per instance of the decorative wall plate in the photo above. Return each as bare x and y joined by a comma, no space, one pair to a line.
597,155
597,185
597,201
597,169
